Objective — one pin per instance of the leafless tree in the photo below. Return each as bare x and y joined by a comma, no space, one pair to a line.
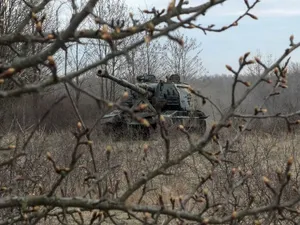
116,12
146,59
294,68
82,182
13,14
254,70
184,59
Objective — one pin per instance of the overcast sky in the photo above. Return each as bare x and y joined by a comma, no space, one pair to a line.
278,19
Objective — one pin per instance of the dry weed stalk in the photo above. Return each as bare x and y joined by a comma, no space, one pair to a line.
92,183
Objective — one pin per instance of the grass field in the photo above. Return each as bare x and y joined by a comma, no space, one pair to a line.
257,154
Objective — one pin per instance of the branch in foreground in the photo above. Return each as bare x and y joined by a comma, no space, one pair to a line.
91,204
22,63
122,82
119,34
277,115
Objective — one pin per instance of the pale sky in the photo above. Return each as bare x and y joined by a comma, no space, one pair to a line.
277,20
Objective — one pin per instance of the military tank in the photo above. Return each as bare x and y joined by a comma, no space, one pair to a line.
171,99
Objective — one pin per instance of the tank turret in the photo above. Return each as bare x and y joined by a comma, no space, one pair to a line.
170,98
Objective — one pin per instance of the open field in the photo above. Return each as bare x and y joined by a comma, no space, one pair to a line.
65,64
255,155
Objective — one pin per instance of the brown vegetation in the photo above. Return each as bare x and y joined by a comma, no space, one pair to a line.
57,168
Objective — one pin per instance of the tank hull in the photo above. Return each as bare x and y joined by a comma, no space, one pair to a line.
171,98
123,127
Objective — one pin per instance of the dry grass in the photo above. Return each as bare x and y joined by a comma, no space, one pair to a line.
262,154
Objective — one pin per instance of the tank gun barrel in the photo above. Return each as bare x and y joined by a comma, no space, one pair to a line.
147,87
171,98
122,82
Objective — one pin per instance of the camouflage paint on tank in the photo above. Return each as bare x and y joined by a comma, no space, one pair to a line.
170,98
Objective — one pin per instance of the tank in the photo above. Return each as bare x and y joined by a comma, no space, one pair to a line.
170,99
